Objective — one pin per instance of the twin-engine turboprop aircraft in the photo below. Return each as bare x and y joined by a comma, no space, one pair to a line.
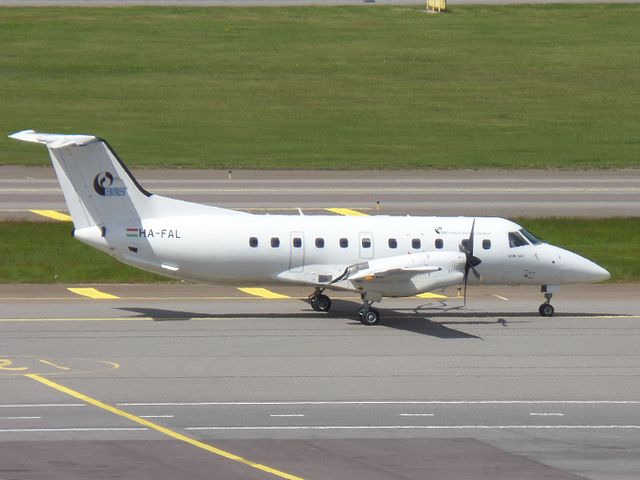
377,256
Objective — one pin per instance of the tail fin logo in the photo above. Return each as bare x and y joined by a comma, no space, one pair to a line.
103,185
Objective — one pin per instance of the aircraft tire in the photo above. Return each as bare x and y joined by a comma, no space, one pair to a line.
546,310
370,317
323,303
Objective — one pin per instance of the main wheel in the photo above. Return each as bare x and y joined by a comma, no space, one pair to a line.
546,310
313,301
323,303
370,317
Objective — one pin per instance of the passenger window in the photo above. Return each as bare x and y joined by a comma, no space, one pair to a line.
319,242
393,243
297,242
415,243
486,244
516,240
439,243
253,242
344,243
366,243
275,242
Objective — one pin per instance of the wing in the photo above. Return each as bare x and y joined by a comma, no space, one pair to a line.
401,275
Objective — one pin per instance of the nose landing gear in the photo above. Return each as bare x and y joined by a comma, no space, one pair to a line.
546,309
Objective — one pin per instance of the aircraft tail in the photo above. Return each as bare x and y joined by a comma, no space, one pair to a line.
98,188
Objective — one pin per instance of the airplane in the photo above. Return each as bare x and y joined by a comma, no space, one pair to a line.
374,256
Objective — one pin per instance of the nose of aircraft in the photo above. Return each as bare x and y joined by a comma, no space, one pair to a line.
579,269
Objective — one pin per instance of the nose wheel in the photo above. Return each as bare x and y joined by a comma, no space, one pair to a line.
546,309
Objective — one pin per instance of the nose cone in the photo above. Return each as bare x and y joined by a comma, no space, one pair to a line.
581,270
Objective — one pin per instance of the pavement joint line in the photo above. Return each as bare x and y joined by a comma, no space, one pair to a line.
386,402
346,212
19,418
239,317
40,405
73,429
424,427
159,428
93,293
53,214
546,414
263,293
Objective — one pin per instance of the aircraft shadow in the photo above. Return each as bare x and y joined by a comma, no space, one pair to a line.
422,320
415,323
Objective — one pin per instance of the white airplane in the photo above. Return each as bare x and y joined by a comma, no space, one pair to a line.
374,256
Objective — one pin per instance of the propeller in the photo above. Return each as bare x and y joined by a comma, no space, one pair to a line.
471,261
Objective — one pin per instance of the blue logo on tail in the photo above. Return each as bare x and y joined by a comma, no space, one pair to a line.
103,185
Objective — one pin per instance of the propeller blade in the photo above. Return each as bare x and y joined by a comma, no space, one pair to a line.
471,262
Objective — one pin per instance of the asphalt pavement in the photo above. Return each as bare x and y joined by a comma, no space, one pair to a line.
607,193
438,390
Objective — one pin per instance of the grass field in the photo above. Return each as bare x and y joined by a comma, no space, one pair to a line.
53,256
337,88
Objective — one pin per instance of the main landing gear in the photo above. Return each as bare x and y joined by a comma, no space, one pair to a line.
319,301
366,314
546,309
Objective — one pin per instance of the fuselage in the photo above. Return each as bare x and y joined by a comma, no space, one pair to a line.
258,248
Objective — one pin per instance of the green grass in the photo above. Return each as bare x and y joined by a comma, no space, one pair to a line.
45,252
340,88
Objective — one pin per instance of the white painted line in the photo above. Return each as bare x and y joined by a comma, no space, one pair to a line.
156,416
417,414
501,297
37,405
287,415
18,418
426,427
80,429
391,402
550,414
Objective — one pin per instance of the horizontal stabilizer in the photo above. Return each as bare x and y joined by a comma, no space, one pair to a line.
53,140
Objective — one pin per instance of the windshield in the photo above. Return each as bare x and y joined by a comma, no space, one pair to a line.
531,237
516,240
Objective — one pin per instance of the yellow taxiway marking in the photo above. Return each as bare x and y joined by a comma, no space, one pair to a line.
347,212
263,292
92,293
46,362
435,296
5,364
63,217
159,428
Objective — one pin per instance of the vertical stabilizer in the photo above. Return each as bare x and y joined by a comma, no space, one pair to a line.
98,188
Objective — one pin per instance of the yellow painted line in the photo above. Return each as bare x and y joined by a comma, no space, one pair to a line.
435,296
63,217
347,212
159,428
53,365
5,364
263,293
92,293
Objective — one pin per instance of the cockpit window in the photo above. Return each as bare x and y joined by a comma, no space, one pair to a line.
531,237
516,240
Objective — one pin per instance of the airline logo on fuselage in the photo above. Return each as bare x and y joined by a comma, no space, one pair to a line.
104,186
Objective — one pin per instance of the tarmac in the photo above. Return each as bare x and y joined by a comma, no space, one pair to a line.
195,381
519,193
